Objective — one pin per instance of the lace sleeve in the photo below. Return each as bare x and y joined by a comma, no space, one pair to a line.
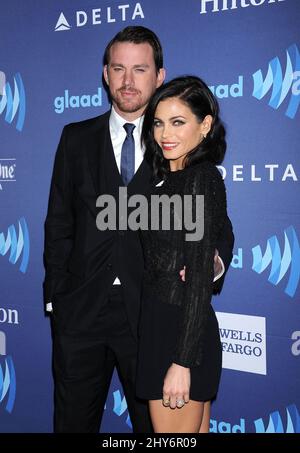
198,258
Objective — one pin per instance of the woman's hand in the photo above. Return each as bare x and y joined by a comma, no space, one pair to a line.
176,388
218,267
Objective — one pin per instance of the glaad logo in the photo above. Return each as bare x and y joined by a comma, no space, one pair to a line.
99,16
235,90
295,349
281,263
13,102
74,102
276,425
226,427
281,86
7,376
120,406
16,245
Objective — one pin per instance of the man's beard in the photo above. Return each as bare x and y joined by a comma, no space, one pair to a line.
128,106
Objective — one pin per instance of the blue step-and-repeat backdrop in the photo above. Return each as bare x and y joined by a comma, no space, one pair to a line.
50,74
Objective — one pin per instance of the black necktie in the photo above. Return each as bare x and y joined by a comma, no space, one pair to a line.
127,154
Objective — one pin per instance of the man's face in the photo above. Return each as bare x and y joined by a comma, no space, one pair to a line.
132,78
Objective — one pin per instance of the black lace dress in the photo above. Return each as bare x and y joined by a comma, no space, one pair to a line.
178,323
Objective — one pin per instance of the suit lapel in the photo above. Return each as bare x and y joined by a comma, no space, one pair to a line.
113,177
104,172
141,180
95,151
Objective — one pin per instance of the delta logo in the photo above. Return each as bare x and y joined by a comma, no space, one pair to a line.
99,16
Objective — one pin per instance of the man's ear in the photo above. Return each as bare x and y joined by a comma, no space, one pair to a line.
105,74
160,77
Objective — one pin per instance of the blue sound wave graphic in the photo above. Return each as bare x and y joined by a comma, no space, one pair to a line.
16,245
120,406
8,383
281,85
281,263
276,425
14,102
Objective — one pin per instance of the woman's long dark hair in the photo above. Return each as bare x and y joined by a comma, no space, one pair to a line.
197,96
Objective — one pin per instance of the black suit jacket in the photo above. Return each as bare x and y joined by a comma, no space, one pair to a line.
82,262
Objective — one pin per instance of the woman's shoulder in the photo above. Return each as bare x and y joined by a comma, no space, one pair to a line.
204,172
205,179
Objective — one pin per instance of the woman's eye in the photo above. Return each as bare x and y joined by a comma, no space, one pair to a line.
157,123
178,123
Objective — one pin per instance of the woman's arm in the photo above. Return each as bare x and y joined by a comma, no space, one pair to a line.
205,180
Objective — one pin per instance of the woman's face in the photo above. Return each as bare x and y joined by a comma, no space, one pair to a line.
177,130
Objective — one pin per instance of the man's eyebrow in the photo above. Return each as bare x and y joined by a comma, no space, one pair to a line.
116,64
142,65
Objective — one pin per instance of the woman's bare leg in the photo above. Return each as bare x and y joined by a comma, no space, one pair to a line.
184,420
204,427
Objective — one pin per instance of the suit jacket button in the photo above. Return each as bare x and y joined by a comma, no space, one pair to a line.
109,266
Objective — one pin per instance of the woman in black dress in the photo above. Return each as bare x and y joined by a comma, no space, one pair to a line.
180,356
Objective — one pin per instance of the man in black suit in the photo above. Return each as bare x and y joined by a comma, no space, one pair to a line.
93,278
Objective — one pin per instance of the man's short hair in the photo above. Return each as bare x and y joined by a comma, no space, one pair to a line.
137,35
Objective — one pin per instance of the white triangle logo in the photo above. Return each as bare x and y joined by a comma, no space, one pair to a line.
62,23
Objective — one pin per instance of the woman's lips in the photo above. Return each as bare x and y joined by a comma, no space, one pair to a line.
168,146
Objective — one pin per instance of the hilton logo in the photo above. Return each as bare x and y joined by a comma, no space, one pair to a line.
215,6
